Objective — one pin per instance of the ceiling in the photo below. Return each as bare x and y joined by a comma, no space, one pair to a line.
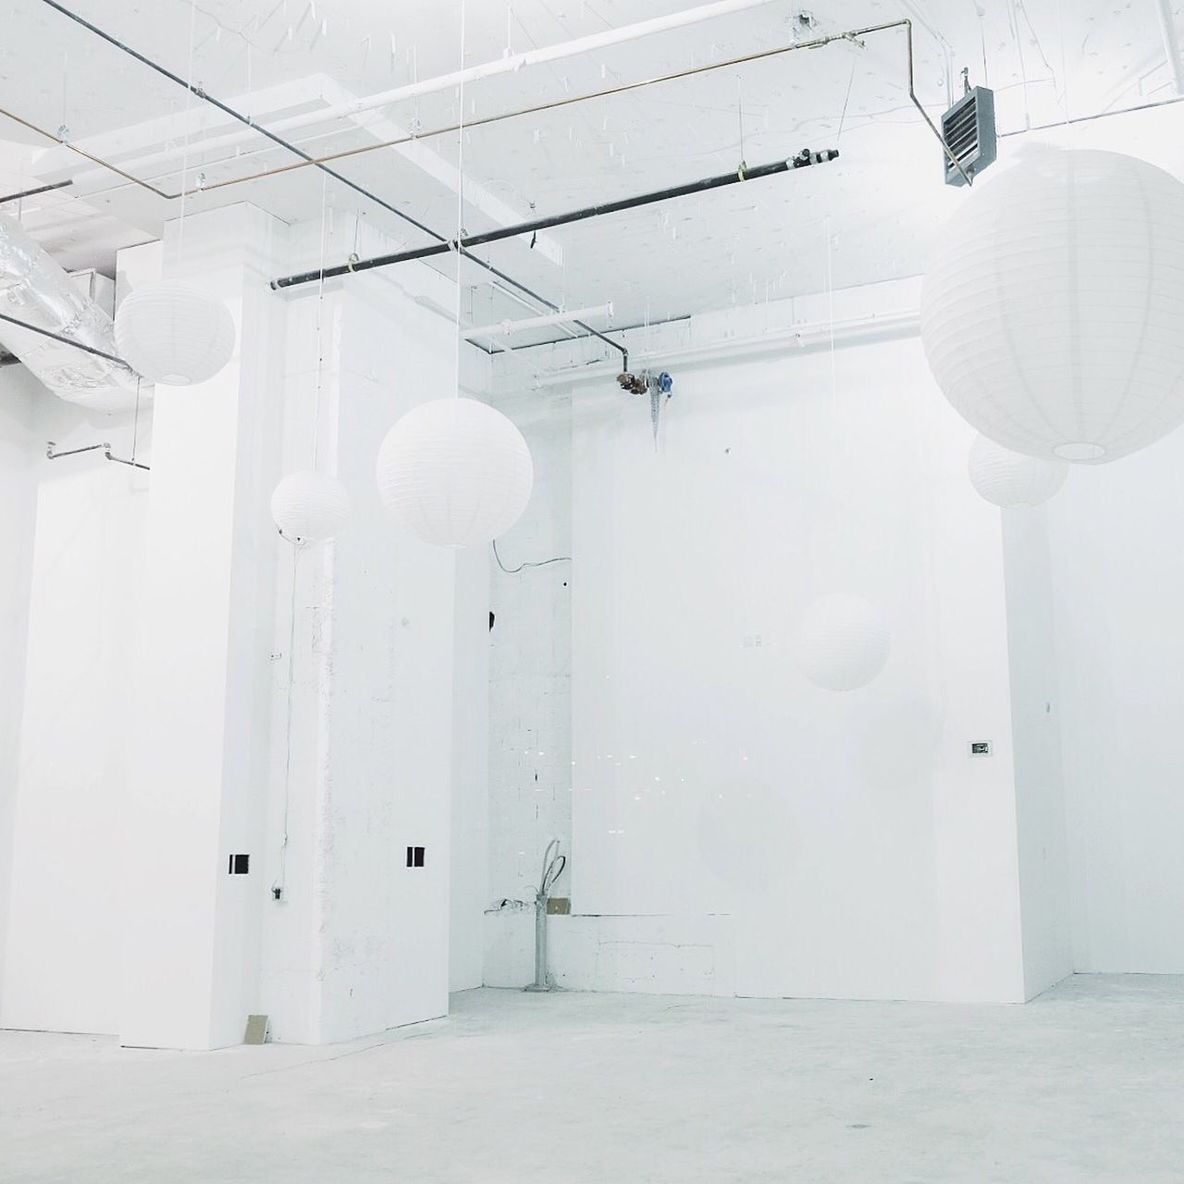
868,216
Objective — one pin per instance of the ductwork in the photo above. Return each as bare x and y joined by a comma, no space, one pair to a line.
35,289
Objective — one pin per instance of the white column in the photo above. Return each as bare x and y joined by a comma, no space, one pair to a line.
358,941
197,789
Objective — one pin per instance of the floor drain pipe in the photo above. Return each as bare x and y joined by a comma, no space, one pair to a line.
553,865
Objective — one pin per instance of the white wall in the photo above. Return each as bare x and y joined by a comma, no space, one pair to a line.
860,850
853,845
530,663
76,528
1118,574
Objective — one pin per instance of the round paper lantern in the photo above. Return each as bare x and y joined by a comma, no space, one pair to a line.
309,507
173,334
843,642
1051,315
1010,479
455,472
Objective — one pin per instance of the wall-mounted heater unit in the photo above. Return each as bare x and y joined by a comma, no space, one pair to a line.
968,129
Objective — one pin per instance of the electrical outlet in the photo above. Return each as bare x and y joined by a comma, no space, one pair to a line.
980,748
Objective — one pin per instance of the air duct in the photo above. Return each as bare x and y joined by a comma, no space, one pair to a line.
33,288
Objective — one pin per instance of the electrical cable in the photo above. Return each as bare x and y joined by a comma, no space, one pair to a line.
513,571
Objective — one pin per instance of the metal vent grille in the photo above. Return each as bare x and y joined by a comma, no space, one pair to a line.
968,128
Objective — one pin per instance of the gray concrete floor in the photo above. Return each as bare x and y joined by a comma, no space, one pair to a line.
1085,1084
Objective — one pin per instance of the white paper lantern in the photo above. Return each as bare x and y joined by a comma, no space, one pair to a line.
843,642
455,472
1052,314
309,507
173,334
1010,479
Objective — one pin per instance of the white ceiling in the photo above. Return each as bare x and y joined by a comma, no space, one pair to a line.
866,217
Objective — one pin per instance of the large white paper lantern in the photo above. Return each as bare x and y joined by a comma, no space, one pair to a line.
173,334
455,472
1052,313
1011,479
309,507
843,642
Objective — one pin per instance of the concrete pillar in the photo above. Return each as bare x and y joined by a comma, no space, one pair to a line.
198,772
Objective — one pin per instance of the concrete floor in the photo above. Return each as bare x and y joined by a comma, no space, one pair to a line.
1085,1084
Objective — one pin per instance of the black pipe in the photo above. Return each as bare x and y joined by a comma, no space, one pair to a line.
90,349
33,192
802,159
247,121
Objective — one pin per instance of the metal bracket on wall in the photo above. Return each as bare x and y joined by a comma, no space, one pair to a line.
104,448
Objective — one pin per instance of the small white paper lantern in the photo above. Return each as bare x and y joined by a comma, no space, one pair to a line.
173,334
1010,479
1051,314
455,472
843,642
309,507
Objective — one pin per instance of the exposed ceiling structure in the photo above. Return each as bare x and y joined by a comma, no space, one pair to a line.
866,217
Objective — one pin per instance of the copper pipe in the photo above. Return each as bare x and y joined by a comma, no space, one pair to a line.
625,88
537,109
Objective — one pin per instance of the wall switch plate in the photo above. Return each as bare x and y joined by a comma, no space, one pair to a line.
980,748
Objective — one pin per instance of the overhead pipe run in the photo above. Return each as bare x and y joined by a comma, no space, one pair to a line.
507,327
226,109
742,175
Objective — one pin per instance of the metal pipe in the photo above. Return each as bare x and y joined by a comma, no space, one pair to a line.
589,96
553,865
247,121
226,109
512,63
90,349
34,192
613,207
506,327
104,448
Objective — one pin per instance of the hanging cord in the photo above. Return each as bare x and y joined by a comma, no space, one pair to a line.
460,190
280,882
513,571
136,420
316,410
740,118
188,109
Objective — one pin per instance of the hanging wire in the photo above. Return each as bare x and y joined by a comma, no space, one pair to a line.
188,109
316,410
136,420
460,190
513,571
280,882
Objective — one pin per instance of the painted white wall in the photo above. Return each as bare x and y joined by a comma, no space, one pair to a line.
76,526
530,664
851,840
1118,576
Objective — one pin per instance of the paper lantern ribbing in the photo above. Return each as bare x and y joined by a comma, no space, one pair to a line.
1010,479
843,642
1051,315
309,507
455,472
173,334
